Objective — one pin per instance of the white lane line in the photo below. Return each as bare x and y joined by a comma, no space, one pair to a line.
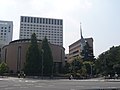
51,85
23,87
80,86
72,89
4,86
29,84
10,88
38,86
17,85
30,81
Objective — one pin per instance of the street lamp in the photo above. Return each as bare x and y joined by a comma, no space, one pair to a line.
42,62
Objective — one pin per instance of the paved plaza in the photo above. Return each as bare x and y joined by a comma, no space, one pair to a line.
11,83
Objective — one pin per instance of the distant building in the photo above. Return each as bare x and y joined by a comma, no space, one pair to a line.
6,31
14,54
66,57
75,49
51,28
82,48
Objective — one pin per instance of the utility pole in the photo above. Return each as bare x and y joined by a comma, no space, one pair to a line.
91,70
42,62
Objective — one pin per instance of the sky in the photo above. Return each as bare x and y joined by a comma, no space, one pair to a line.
100,19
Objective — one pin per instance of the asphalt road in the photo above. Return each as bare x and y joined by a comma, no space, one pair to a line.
61,84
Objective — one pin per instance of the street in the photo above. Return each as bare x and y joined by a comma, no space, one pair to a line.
12,83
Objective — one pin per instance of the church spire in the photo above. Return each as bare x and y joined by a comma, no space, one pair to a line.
81,32
82,40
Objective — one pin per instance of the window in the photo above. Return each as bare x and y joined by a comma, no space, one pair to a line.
28,19
34,20
1,27
31,19
21,19
37,20
25,19
52,21
5,27
40,20
43,20
46,21
61,22
4,33
57,22
49,21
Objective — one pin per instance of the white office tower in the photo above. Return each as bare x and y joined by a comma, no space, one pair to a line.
51,28
6,31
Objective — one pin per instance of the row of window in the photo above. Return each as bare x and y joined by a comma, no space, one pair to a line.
5,27
54,41
3,34
49,37
33,25
2,39
46,32
41,37
41,20
52,34
4,31
39,29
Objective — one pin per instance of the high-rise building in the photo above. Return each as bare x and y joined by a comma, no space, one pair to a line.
51,28
6,31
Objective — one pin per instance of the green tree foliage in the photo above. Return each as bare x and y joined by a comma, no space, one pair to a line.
47,58
88,65
66,68
3,68
80,68
33,58
76,64
109,61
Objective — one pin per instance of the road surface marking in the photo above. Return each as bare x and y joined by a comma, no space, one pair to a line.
10,88
4,86
23,87
17,85
51,85
38,86
29,84
72,89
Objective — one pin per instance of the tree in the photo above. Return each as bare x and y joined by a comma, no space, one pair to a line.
33,58
47,58
109,61
89,67
66,68
3,68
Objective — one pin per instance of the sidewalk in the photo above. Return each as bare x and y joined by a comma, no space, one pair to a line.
112,80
